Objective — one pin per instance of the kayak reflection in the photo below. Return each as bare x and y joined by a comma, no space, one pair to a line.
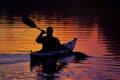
51,53
47,58
51,64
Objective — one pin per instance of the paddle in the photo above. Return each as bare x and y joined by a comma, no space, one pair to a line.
29,22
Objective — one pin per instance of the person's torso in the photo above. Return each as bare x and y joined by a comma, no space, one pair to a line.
50,43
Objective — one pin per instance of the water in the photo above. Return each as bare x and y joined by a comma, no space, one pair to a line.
94,68
23,37
13,58
95,38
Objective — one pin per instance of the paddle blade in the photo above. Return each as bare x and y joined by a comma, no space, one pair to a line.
28,22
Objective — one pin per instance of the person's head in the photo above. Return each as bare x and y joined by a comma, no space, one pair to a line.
49,30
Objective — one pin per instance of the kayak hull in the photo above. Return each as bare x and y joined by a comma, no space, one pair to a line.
39,56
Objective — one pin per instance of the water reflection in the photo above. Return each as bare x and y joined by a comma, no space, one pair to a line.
12,29
24,37
94,23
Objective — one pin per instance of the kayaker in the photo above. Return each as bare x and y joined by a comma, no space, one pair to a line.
49,42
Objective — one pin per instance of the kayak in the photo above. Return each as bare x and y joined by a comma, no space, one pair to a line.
38,56
69,47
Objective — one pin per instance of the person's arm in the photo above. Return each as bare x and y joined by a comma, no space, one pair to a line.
39,39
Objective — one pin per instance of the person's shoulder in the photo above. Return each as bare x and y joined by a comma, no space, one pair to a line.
55,37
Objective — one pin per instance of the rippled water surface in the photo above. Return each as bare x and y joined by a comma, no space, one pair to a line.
18,38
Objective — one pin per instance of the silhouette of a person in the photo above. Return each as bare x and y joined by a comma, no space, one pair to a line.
49,42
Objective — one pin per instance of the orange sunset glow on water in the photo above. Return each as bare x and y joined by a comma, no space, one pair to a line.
20,38
95,24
